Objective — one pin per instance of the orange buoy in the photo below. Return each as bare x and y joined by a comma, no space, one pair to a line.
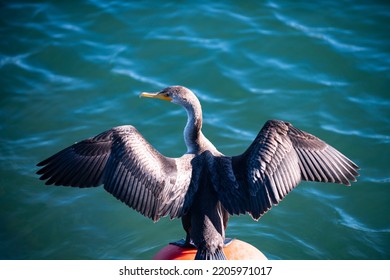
235,250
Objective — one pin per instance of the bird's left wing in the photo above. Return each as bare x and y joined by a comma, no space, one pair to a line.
128,167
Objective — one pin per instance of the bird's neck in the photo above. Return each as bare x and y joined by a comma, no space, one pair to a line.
193,135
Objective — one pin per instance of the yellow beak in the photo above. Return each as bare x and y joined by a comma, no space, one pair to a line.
155,95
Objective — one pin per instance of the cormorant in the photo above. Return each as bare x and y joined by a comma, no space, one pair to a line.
202,187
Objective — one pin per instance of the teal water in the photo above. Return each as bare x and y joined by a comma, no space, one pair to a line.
72,69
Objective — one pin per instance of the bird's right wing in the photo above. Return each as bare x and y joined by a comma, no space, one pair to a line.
277,160
130,169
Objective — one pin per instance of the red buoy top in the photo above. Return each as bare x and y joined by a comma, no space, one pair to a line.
236,250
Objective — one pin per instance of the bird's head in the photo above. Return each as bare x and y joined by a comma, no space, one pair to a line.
176,94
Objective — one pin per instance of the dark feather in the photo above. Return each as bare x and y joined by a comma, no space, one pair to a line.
277,160
128,167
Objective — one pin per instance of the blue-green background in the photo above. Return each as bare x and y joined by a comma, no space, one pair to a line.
72,69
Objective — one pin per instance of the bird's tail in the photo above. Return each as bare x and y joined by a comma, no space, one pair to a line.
205,254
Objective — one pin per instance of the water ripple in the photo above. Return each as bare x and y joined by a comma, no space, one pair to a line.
363,134
319,33
352,222
13,60
34,9
134,75
207,43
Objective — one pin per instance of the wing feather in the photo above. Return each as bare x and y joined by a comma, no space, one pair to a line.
275,163
128,167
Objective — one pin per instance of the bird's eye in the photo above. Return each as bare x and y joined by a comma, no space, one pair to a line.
166,94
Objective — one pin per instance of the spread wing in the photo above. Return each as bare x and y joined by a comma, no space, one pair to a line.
276,162
128,167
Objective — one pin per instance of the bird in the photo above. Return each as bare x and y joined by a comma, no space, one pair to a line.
203,187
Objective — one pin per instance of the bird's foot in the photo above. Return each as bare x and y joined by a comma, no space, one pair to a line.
183,244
